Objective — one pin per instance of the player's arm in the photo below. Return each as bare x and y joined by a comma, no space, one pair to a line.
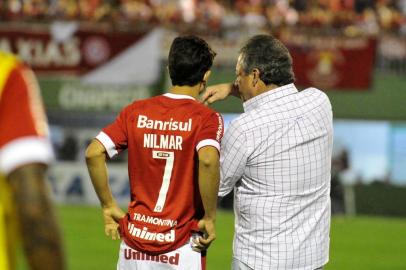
42,244
96,165
219,92
209,175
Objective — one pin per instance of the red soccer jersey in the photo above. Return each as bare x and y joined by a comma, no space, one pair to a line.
23,125
23,130
163,135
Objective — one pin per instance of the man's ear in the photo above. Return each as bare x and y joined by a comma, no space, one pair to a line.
255,73
206,75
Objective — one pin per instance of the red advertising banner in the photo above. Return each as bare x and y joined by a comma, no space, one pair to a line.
331,62
78,53
324,61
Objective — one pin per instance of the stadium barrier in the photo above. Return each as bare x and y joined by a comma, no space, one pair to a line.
71,184
381,199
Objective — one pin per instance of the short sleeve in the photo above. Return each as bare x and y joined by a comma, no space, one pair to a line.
23,124
114,137
211,132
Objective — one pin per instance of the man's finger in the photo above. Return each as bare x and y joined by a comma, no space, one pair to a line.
206,242
197,246
208,92
114,234
197,243
212,99
208,100
204,99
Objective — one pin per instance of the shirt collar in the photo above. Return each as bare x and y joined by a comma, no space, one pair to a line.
178,96
269,96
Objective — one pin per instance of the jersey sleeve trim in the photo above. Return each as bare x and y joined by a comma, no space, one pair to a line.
25,150
107,143
208,142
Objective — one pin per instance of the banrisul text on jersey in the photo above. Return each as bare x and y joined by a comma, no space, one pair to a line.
162,141
144,122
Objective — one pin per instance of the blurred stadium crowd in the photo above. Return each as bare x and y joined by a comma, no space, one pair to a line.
369,16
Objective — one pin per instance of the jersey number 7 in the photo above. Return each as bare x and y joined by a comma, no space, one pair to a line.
166,179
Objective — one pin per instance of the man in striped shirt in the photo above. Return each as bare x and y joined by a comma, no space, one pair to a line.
277,158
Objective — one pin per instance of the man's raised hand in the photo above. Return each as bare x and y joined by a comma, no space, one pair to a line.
216,92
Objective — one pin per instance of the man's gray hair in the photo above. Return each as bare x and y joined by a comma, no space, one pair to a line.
270,57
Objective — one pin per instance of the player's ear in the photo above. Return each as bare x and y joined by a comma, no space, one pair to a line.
206,75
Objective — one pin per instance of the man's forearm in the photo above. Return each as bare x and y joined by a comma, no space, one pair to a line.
39,229
230,88
209,175
96,165
220,92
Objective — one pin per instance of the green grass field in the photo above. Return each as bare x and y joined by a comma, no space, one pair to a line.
361,243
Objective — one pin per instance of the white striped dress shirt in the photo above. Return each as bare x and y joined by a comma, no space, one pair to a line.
277,158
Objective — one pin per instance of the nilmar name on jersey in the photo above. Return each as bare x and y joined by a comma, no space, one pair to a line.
160,141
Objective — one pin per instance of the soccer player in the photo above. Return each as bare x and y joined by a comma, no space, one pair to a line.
276,156
173,165
25,209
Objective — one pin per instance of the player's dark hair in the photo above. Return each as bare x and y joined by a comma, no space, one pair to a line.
189,59
270,57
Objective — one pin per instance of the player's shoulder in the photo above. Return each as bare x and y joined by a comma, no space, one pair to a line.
140,104
156,102
15,76
6,56
9,61
204,108
210,114
199,108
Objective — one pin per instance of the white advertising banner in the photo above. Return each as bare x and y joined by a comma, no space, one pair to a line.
70,183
